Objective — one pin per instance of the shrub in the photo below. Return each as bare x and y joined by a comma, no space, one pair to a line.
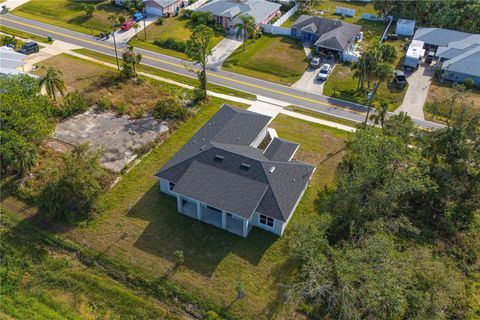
172,44
74,102
468,83
212,315
122,108
159,21
104,104
72,190
9,41
169,109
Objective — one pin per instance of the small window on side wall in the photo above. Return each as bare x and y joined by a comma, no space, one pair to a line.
266,220
171,185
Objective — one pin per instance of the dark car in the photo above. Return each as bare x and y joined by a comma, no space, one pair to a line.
400,80
29,48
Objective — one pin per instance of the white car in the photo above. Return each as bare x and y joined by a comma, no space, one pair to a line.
324,72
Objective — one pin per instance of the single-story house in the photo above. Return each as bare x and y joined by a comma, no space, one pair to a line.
228,12
329,34
405,27
163,7
12,62
223,178
458,53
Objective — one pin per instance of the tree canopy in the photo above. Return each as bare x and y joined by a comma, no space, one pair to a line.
23,122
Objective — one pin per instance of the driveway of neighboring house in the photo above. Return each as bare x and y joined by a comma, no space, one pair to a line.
12,4
122,37
223,50
418,84
308,82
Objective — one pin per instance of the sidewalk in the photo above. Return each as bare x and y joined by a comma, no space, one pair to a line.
12,4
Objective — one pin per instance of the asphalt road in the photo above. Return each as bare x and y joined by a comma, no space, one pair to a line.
312,101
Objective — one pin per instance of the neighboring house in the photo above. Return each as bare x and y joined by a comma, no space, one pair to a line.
12,62
221,177
228,12
405,27
327,34
163,7
458,53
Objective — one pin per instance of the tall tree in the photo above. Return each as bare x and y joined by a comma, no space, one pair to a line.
131,60
381,115
198,48
53,81
245,28
23,123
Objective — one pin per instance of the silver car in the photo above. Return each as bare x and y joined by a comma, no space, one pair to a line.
315,62
324,72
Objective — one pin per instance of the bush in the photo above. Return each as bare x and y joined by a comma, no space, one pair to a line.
172,44
72,190
212,315
159,21
104,104
122,108
169,109
468,83
74,102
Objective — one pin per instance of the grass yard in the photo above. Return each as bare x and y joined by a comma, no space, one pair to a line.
41,280
272,58
22,34
69,14
170,75
214,259
179,28
439,91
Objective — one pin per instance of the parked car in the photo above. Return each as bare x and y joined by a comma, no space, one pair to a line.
137,16
128,25
324,72
399,79
315,62
29,48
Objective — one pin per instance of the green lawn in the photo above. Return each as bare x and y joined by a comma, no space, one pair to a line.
272,58
170,75
68,14
179,28
22,34
41,280
214,259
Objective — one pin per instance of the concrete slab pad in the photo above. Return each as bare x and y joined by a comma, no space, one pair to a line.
222,51
117,136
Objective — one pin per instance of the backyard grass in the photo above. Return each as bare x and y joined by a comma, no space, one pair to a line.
179,28
444,90
22,34
139,227
273,58
169,75
69,14
42,281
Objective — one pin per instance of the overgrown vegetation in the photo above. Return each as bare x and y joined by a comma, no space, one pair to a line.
402,237
449,14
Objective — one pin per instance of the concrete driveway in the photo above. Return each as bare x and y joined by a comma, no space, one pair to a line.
12,4
418,84
308,82
122,37
223,50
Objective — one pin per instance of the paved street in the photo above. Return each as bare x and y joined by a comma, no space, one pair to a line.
267,89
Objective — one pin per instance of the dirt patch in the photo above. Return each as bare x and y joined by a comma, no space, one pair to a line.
118,137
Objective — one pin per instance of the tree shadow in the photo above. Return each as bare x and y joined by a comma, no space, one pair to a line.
204,246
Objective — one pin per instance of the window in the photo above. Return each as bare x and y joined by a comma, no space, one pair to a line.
266,221
171,185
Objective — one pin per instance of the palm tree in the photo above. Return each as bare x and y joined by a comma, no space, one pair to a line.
53,81
384,72
131,58
381,115
245,28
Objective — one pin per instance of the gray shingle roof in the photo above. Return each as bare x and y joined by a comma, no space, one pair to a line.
281,150
438,36
224,182
333,34
258,9
467,63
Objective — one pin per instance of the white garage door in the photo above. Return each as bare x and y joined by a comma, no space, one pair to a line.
154,11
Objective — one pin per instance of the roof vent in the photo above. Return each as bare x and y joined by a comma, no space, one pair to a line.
244,166
272,169
293,180
203,147
219,158
238,138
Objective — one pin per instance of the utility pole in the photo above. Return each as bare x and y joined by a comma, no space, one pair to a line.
115,45
370,96
144,23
